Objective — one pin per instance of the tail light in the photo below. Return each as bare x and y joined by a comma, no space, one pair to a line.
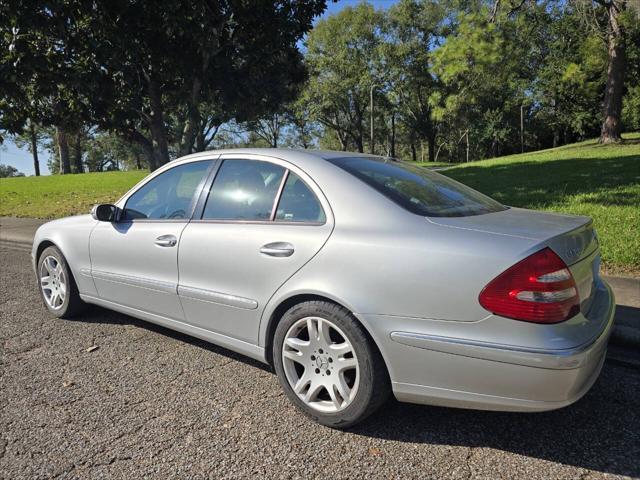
538,289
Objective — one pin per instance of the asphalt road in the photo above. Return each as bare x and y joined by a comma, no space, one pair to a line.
153,403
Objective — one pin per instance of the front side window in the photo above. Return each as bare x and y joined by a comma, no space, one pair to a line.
417,189
170,195
298,203
244,190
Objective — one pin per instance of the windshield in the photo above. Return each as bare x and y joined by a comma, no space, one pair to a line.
417,189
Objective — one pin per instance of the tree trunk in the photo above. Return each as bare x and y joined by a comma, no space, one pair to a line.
359,142
414,155
612,125
147,147
432,146
467,136
34,148
138,164
157,127
63,150
77,154
393,136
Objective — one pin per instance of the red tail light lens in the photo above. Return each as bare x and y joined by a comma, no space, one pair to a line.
538,289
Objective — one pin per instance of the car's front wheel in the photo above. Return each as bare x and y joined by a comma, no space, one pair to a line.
327,364
57,285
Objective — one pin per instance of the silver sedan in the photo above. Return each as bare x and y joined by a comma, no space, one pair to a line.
354,276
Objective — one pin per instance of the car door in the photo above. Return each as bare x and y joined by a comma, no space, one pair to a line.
261,220
134,261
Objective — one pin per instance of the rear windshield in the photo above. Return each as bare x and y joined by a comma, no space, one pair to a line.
417,189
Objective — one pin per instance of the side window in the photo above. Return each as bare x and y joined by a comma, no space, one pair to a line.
298,203
243,190
170,195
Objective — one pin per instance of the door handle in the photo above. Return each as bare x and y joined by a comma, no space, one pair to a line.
277,249
166,241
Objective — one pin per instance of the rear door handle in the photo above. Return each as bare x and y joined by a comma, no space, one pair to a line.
166,241
277,249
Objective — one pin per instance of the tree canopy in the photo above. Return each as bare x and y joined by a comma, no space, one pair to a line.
436,79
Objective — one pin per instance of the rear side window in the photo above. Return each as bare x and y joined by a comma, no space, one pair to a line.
170,195
243,190
298,203
417,189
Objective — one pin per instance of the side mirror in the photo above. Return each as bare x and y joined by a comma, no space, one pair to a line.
105,212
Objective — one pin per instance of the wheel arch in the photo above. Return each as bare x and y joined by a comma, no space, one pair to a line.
45,243
299,297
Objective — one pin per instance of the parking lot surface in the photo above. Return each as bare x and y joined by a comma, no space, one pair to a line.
148,402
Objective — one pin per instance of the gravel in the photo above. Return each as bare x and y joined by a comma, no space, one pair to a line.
154,403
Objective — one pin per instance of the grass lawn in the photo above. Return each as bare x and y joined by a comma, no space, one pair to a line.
55,196
601,181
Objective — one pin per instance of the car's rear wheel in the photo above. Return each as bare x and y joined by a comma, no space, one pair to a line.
327,364
57,285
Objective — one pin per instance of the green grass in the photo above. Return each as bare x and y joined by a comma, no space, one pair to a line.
56,196
601,181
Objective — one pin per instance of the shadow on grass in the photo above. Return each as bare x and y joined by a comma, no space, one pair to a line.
600,432
534,184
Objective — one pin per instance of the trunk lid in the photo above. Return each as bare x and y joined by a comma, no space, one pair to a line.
571,237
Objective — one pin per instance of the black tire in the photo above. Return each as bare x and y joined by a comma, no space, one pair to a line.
72,304
374,385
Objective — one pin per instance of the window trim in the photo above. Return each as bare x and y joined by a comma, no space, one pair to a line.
194,199
206,190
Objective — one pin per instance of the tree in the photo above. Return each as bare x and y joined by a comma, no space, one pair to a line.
304,130
343,58
412,32
7,171
127,75
33,138
40,81
268,128
569,88
611,19
612,124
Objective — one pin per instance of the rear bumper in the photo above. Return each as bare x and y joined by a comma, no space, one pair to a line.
469,373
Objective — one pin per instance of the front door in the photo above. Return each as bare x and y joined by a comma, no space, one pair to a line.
261,223
134,262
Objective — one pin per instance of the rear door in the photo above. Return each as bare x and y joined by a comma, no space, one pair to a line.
134,261
259,222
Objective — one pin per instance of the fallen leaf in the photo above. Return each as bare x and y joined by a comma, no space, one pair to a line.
376,452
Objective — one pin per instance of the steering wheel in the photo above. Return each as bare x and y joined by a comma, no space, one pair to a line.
178,214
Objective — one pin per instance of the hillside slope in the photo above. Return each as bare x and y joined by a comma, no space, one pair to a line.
601,181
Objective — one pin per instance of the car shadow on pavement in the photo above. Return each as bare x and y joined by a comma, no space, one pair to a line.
600,432
96,314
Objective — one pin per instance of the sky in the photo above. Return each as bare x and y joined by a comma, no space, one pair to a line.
10,154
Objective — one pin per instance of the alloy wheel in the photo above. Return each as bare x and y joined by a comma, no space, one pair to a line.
320,364
53,282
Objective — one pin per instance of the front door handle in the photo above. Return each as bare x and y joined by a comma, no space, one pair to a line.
166,241
277,249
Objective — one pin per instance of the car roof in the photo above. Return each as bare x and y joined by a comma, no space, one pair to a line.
282,153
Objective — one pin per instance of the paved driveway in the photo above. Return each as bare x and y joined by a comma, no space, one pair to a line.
150,402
